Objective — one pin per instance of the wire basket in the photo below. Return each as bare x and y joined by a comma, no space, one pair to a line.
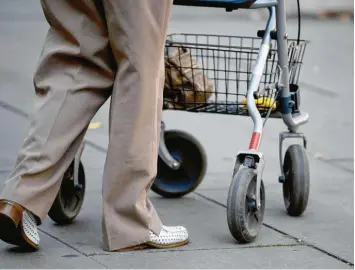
212,73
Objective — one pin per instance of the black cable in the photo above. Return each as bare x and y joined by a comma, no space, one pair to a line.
299,22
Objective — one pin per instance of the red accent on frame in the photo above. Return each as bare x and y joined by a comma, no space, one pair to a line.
254,142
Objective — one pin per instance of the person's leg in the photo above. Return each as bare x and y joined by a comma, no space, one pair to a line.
73,79
137,32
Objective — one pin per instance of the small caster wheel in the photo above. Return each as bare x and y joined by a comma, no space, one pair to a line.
188,151
244,220
297,180
70,197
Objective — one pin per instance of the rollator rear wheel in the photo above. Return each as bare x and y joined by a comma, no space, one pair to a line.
188,151
297,180
69,200
244,220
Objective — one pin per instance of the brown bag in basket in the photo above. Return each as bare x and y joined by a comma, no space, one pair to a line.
185,84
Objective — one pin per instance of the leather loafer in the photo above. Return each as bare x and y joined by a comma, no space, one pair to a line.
18,226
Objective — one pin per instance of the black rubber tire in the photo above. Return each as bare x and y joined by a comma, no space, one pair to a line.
61,211
238,216
297,180
189,152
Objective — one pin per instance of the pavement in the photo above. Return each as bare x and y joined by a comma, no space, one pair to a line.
321,238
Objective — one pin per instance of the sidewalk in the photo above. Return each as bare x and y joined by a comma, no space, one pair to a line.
78,245
321,238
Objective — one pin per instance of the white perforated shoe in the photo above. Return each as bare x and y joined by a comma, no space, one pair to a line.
169,237
18,226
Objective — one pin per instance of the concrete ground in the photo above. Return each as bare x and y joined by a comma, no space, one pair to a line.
321,238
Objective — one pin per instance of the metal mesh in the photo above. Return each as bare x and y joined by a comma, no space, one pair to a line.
226,62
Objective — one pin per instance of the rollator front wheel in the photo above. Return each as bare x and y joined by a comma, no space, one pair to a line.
244,220
189,152
297,180
70,198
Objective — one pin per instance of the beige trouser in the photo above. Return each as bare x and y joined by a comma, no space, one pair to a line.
96,49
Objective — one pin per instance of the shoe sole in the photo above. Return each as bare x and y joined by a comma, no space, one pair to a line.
154,245
11,230
175,245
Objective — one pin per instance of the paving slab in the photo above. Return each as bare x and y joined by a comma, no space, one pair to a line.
206,222
331,201
85,236
52,254
247,258
329,214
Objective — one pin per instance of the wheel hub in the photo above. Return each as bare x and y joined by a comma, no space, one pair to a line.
252,203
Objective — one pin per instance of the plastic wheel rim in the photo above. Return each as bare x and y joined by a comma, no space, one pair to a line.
69,197
287,193
252,217
287,184
182,180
